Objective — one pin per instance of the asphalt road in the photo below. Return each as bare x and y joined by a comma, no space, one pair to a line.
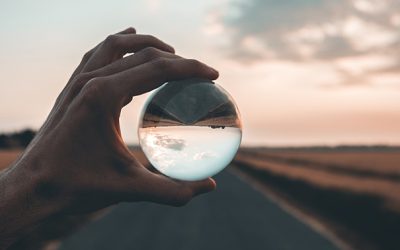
235,216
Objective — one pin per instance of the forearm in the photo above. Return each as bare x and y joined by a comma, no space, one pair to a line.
21,206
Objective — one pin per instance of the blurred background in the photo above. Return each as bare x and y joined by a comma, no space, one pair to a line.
302,72
317,83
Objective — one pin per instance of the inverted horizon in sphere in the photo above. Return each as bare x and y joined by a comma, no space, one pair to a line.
190,129
190,152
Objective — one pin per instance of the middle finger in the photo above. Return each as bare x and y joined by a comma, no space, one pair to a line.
116,46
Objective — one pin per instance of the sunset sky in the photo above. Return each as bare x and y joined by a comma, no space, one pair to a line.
303,72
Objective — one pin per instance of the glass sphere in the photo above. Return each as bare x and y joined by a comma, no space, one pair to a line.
190,129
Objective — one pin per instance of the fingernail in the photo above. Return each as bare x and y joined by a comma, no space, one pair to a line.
214,71
214,184
131,29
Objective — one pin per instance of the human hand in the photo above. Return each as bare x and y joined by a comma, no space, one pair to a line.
78,161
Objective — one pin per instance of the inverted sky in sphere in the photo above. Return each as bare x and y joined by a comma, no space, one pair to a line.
190,101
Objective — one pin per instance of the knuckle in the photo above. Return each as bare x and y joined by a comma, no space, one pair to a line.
163,68
111,40
87,55
92,92
150,53
162,64
79,81
83,77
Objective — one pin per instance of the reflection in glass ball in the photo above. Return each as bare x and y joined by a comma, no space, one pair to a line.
190,129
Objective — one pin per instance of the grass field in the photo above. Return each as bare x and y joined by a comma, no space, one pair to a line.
353,192
7,157
358,161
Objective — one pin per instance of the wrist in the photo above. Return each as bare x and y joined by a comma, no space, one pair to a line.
23,204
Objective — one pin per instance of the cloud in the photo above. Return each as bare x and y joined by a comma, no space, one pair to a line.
315,30
166,141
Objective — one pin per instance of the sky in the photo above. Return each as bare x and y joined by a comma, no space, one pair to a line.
303,72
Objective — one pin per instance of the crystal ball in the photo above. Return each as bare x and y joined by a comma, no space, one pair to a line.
190,129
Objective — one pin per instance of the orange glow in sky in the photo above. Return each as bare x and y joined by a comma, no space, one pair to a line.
303,73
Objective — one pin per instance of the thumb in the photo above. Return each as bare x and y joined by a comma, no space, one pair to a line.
161,189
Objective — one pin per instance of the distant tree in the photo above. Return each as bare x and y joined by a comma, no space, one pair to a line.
3,141
19,139
25,137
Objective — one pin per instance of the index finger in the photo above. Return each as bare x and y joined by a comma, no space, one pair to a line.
153,74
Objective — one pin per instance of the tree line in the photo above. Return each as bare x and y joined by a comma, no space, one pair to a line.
19,139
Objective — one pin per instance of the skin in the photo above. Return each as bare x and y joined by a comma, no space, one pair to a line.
78,162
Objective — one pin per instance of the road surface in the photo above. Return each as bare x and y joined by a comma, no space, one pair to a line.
233,217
